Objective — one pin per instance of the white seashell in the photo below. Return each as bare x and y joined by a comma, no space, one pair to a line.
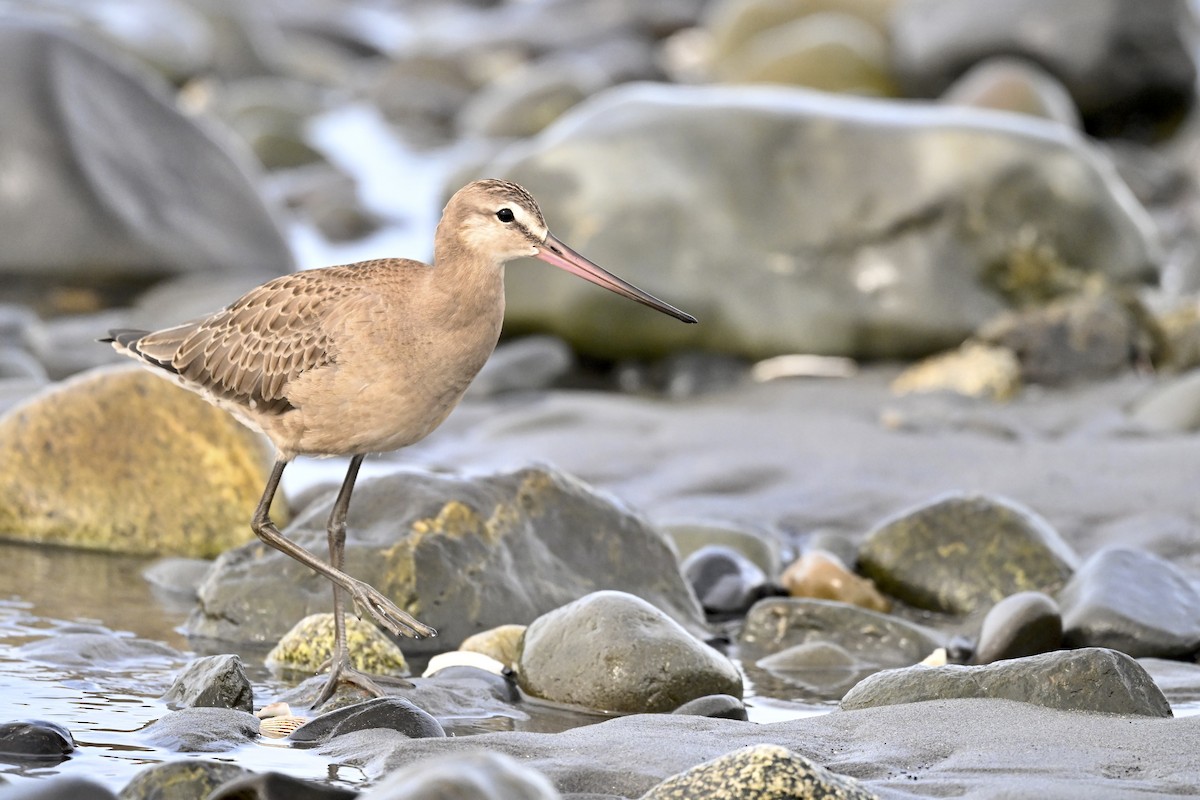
280,727
462,658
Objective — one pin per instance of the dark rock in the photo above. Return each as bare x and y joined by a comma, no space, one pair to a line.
447,543
59,787
689,373
612,651
1053,204
757,545
180,780
470,776
1129,66
101,649
724,580
97,134
1092,679
1132,601
867,636
759,772
35,739
1023,624
216,681
394,713
717,706
1084,337
525,364
177,576
963,551
276,786
202,730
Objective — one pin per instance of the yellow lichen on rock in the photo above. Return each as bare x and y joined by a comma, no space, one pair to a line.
118,459
309,644
502,643
974,370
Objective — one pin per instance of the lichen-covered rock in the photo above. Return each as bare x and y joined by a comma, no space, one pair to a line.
759,772
963,551
118,459
830,225
309,644
461,554
612,651
973,369
180,779
1091,679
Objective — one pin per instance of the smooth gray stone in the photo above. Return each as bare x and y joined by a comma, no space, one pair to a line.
202,730
1022,624
215,681
394,713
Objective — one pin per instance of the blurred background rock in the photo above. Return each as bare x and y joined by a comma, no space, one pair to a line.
861,178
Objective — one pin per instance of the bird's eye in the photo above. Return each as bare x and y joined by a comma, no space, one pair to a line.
505,215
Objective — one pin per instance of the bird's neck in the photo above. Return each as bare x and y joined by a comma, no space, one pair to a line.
474,282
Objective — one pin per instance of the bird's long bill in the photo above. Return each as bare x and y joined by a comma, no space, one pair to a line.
553,251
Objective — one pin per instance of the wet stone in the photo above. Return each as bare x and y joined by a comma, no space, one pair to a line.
759,772
1132,601
612,651
35,739
58,787
1023,624
477,775
961,552
180,780
393,713
277,786
202,730
177,576
97,647
715,706
724,580
215,681
1092,679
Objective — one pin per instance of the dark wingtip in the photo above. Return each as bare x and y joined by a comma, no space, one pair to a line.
126,337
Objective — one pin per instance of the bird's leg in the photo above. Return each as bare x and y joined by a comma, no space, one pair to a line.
340,668
385,612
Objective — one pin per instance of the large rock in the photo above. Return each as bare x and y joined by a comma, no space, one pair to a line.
961,552
1092,679
793,221
1132,601
462,555
1129,66
119,459
106,180
614,652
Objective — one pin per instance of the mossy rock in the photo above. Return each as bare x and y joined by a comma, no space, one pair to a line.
309,644
118,459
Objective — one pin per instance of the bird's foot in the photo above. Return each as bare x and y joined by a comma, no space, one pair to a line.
341,671
387,613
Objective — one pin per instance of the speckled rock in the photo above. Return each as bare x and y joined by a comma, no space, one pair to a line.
1022,624
830,225
309,644
1132,601
615,652
823,576
502,643
217,681
759,772
202,729
180,780
973,369
480,775
779,623
118,459
960,551
1092,679
443,547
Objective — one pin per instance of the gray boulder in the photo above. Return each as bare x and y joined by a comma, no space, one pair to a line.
1092,679
961,551
1132,601
1129,66
1022,624
212,681
612,651
471,776
461,554
114,182
792,221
